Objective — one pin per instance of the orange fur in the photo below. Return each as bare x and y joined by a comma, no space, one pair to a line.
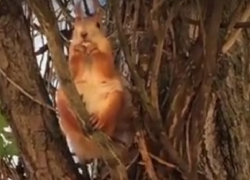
92,67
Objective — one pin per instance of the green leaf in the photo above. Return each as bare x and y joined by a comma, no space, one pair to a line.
8,135
1,146
11,149
3,122
6,148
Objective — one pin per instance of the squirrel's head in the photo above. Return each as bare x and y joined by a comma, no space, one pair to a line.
86,29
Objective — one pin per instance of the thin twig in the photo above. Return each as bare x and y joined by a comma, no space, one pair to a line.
125,47
143,93
134,37
238,25
202,31
127,166
26,93
234,35
235,17
145,156
161,161
160,33
65,11
177,159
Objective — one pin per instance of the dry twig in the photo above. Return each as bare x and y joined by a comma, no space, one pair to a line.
235,34
25,92
160,33
237,25
65,11
143,93
125,47
145,156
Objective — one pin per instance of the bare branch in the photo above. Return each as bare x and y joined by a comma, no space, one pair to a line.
161,161
145,156
237,25
65,11
64,33
235,34
144,95
235,16
160,33
24,92
134,38
125,47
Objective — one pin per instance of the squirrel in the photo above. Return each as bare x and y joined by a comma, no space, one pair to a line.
91,65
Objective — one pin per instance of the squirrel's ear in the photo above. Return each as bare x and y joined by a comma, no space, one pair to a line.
97,18
98,11
79,14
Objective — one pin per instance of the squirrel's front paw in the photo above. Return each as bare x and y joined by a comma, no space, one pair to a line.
79,49
91,49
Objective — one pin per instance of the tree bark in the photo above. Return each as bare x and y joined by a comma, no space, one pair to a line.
35,127
225,145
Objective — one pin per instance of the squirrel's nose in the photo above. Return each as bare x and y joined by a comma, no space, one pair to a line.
84,35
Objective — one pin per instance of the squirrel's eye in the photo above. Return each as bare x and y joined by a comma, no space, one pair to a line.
98,25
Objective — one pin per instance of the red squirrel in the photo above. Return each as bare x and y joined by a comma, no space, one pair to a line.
91,64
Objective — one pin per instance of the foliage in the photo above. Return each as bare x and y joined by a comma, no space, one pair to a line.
7,141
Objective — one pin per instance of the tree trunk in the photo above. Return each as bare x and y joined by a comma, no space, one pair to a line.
35,127
225,143
226,138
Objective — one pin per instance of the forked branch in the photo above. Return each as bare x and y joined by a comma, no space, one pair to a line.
145,99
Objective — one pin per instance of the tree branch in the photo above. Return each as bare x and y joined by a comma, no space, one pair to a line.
160,33
125,47
143,93
222,25
145,155
65,11
202,99
25,92
235,34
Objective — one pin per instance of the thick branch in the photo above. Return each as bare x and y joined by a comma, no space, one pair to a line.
202,99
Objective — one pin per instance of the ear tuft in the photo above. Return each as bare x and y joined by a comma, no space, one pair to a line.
78,11
98,11
97,7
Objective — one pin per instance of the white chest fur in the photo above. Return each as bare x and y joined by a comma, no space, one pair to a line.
95,89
